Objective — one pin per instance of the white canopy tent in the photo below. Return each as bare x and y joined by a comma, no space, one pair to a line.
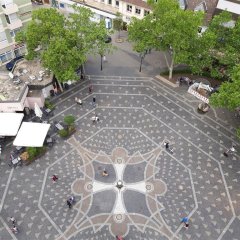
38,111
10,123
31,134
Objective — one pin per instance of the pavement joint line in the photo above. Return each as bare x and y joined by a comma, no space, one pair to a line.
8,229
42,191
6,189
226,228
187,100
120,77
220,167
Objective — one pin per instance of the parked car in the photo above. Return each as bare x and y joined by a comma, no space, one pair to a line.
107,39
10,65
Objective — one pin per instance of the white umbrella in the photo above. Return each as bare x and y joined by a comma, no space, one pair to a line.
37,110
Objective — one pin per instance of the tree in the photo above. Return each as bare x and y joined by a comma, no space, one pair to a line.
168,29
229,92
217,50
65,42
118,23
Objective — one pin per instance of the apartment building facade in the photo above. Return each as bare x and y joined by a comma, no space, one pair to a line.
107,9
14,15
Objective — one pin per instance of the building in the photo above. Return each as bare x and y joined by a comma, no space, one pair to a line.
107,9
14,15
27,84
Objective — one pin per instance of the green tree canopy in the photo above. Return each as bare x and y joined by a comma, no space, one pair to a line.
118,23
218,48
168,29
65,42
229,92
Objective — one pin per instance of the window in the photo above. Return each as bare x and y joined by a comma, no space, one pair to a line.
13,17
14,32
3,36
137,10
129,8
146,12
62,5
5,57
117,3
110,2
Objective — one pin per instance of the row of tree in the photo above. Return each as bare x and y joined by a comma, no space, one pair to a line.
65,42
176,32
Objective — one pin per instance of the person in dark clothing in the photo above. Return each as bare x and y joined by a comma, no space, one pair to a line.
69,204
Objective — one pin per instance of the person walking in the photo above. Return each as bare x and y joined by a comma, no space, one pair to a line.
13,220
90,89
166,144
54,178
14,229
231,150
69,204
185,221
168,148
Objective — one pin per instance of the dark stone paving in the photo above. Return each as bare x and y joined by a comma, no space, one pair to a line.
137,115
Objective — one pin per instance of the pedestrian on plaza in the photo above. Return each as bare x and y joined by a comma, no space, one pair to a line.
230,150
69,204
104,173
185,221
54,178
90,89
94,100
72,200
166,144
119,238
14,229
104,58
95,119
13,220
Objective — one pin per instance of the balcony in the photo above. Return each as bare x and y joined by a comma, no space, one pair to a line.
15,24
10,8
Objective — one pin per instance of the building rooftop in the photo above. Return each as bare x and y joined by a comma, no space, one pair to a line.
29,73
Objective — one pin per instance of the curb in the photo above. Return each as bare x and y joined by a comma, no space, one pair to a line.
166,81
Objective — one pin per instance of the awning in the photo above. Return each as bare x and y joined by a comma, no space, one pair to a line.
31,134
10,123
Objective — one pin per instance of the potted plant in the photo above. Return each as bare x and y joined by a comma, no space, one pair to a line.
70,128
32,153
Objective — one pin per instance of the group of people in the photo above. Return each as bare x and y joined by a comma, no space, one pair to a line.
13,228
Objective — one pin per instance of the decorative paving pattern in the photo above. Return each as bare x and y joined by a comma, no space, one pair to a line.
159,188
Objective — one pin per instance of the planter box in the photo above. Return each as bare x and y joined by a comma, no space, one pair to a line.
28,161
70,134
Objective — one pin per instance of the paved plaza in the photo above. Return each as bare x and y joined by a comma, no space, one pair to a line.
137,115
148,190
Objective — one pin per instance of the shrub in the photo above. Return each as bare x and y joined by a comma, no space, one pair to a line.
48,104
32,152
63,133
69,120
